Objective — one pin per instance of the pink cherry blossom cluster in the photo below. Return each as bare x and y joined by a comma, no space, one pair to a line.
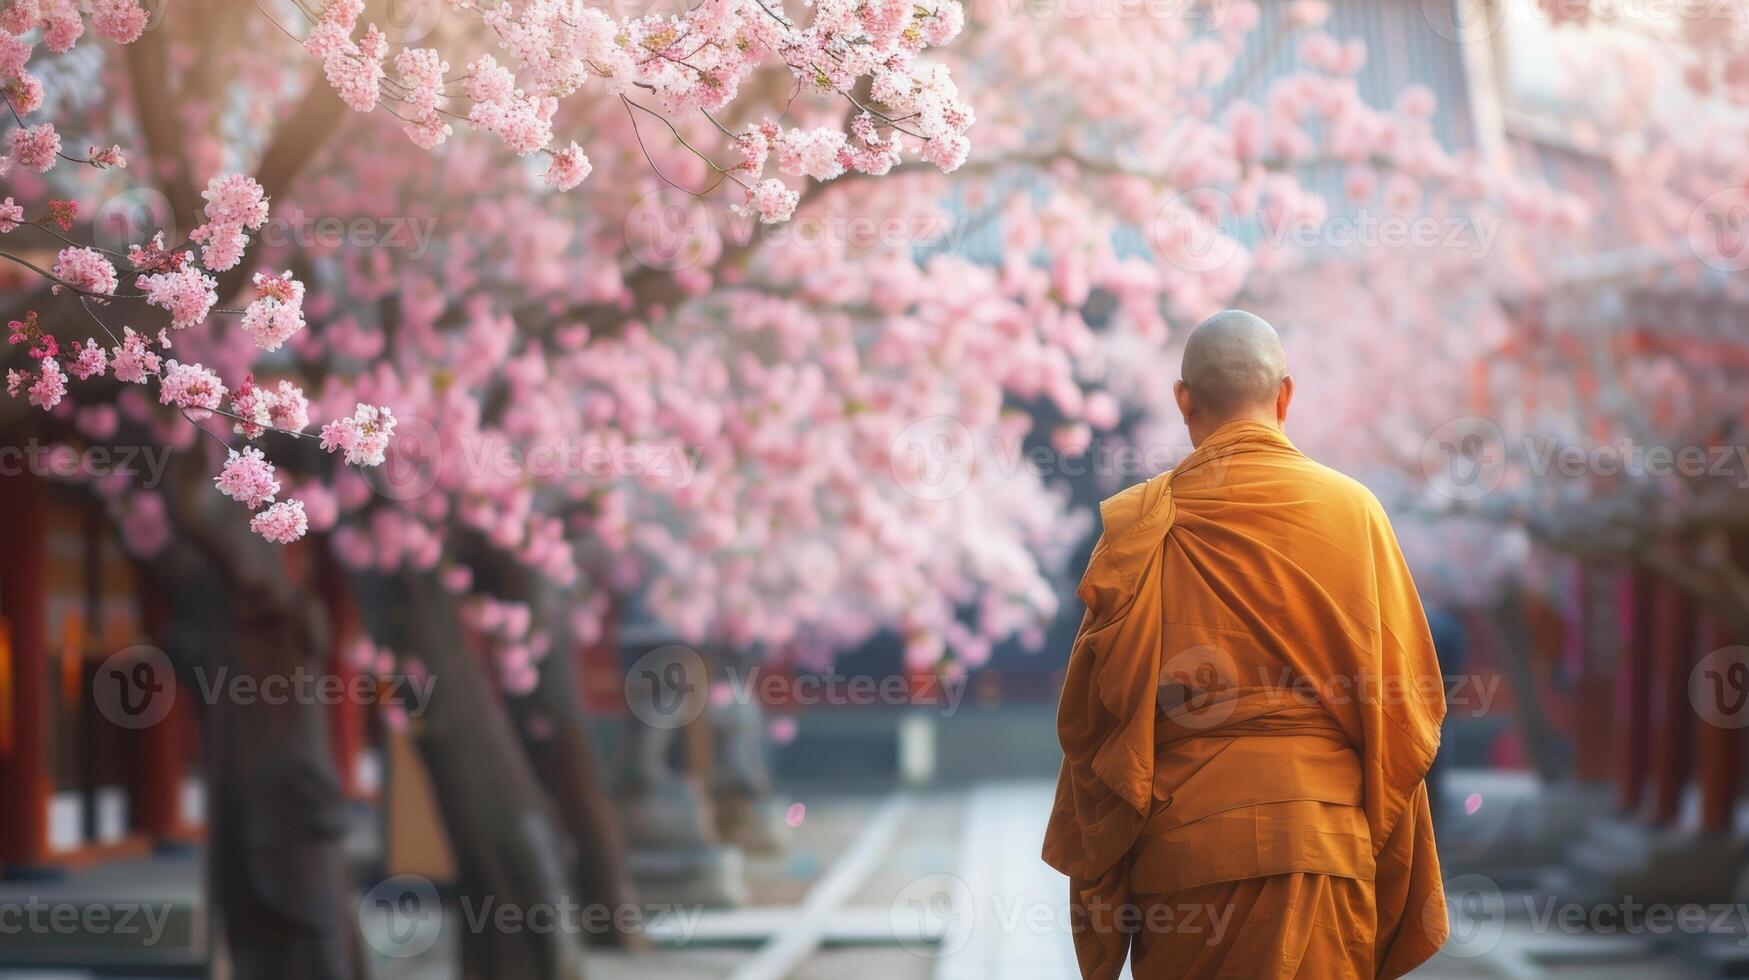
198,393
170,279
235,205
85,270
192,388
133,359
249,478
421,73
692,62
257,409
34,147
277,314
281,523
61,24
187,292
47,385
46,390
569,168
363,436
517,648
90,360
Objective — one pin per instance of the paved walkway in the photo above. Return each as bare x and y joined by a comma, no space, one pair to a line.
1017,922
940,885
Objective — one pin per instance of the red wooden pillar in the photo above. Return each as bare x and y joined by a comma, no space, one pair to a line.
1673,660
24,742
1597,640
601,677
155,778
347,719
1633,696
1718,752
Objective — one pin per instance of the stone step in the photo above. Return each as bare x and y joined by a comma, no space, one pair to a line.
1723,959
133,917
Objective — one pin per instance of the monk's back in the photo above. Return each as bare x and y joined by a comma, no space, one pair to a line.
1285,539
1249,709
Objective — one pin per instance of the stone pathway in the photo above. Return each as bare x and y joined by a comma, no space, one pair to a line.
941,885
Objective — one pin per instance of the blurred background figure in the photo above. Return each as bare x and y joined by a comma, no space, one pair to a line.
1448,643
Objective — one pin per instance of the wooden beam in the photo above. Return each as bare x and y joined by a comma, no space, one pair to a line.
1672,715
1718,750
24,769
1632,695
1600,645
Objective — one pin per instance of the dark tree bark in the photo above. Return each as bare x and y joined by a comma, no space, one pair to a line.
1509,635
277,817
509,848
562,748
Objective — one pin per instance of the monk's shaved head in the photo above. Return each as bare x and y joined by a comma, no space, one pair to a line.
1234,362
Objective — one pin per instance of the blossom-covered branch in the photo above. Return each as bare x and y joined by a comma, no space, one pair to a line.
692,62
174,280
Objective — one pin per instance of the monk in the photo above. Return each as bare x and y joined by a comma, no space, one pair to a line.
1250,708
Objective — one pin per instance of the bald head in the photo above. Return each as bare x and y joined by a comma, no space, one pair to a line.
1234,367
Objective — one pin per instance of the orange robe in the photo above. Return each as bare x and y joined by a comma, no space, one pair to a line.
1250,708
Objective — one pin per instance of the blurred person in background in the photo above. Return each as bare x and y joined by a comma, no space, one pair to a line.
1448,643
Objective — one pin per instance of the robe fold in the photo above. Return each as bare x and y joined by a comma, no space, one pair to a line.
1250,708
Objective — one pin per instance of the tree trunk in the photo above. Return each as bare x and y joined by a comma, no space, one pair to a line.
277,868
1510,636
513,858
278,818
562,747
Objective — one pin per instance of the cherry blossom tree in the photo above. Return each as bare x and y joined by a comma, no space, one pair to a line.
1615,391
275,763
